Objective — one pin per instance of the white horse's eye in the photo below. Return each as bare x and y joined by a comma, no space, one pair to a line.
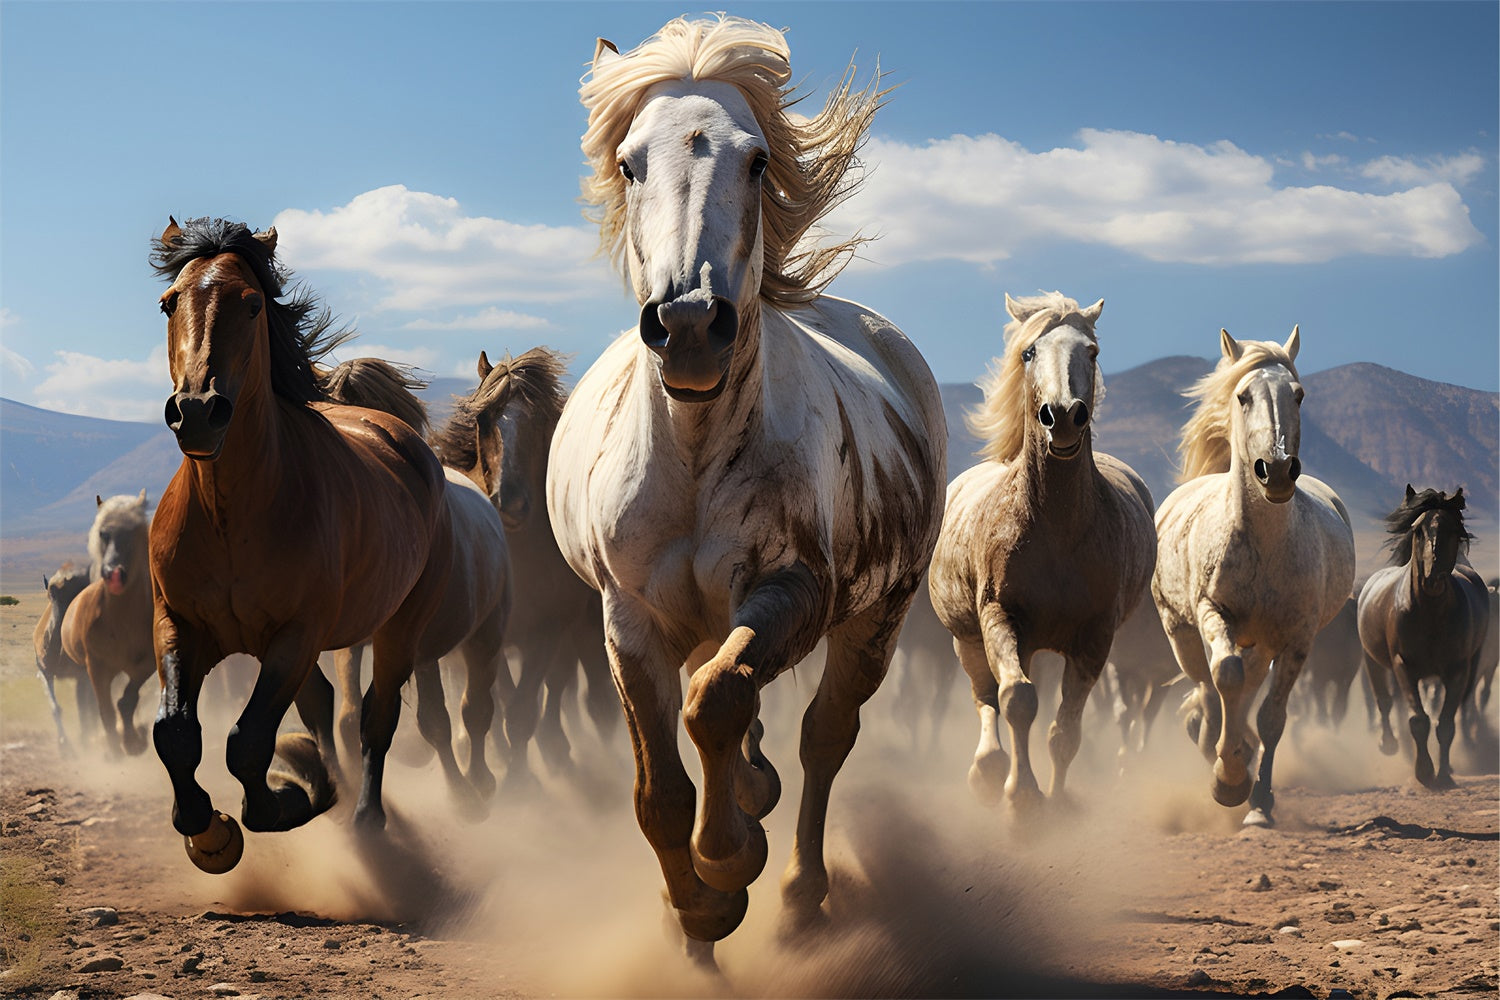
1029,354
758,166
626,172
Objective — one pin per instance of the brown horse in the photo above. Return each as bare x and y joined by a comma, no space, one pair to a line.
107,628
499,435
1425,615
471,618
52,664
292,526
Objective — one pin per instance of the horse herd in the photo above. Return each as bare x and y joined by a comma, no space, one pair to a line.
756,467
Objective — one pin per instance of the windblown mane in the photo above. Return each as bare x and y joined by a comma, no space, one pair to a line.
301,328
377,384
1001,420
1205,446
1402,521
810,158
118,514
534,380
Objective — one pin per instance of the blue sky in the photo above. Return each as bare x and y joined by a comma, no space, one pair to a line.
1197,165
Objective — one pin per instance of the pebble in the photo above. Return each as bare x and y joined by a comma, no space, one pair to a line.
1262,884
65,995
1290,929
223,990
1348,944
146,996
104,963
101,916
333,944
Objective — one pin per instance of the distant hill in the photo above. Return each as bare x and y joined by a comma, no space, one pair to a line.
1367,431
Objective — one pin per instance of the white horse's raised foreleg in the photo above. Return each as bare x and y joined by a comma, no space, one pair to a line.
1018,703
1066,732
1237,673
991,763
1270,723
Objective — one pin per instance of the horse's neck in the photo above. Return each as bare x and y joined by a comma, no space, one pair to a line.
694,427
1060,490
1251,509
249,465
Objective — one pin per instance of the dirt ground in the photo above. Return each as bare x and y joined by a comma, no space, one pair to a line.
1137,886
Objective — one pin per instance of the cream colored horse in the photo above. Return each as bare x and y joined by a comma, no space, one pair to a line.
1047,545
1254,559
754,466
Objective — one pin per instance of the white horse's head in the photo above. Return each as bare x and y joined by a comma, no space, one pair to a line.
1062,372
694,161
1267,423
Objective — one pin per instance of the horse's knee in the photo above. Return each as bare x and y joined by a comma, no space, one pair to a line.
1018,703
719,709
1229,675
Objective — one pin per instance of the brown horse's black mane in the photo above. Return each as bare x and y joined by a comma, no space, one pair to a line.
1401,521
301,328
534,380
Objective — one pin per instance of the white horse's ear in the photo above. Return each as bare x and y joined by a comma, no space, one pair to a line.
1017,311
98,500
604,53
484,366
1293,343
268,240
1410,492
142,497
1092,312
1231,347
172,232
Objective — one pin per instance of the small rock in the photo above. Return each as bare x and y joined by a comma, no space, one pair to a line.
333,944
101,916
65,995
1199,978
1291,929
1348,944
104,963
223,990
258,976
190,964
1263,884
146,996
48,844
34,810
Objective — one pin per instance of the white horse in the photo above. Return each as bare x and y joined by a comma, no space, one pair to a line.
1253,560
1047,545
753,467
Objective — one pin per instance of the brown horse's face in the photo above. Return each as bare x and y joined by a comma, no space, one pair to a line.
216,342
1436,539
512,464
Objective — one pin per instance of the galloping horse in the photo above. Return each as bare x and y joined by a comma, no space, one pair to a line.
754,466
1253,558
1046,545
1425,615
471,617
52,664
292,526
107,628
500,436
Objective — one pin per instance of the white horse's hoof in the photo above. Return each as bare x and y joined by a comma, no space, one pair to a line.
1258,817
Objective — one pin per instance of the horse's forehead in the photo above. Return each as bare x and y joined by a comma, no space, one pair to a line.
220,270
1267,377
708,106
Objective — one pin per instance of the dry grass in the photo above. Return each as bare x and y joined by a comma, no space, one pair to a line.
30,922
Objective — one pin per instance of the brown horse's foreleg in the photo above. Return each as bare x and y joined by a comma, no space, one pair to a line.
991,763
1418,721
100,678
132,737
1270,723
1066,732
62,735
314,703
1380,684
485,661
346,665
178,738
602,699
559,688
664,794
859,653
1455,691
436,727
88,711
522,711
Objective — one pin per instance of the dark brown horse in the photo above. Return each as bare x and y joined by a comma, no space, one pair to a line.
107,628
292,526
499,436
52,664
1425,615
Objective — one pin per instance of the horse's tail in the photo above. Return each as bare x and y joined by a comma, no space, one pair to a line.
378,385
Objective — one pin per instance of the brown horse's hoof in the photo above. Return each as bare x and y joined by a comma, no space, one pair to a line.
717,920
219,848
1226,794
736,871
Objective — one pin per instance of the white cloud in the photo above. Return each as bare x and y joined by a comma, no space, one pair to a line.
984,198
426,254
1432,170
114,389
491,318
1312,162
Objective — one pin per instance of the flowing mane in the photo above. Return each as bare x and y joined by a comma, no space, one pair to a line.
1205,445
1401,521
377,384
810,158
1001,420
534,378
301,328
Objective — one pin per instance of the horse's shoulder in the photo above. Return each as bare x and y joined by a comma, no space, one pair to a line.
1125,480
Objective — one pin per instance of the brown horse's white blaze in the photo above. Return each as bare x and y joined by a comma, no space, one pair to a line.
754,467
1254,559
258,545
1047,545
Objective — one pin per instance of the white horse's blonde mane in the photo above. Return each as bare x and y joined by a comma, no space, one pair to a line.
810,158
1001,420
1205,446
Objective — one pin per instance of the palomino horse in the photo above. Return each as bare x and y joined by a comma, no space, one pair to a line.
753,467
1252,561
107,628
52,664
1425,615
1046,545
499,436
470,619
292,526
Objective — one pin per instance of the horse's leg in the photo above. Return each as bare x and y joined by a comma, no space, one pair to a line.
991,763
101,677
346,665
523,710
62,737
551,739
285,664
485,659
1418,721
1380,684
1205,719
1236,677
602,699
1018,703
132,738
942,696
1454,692
314,702
1066,732
436,727
88,709
859,652
1270,723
